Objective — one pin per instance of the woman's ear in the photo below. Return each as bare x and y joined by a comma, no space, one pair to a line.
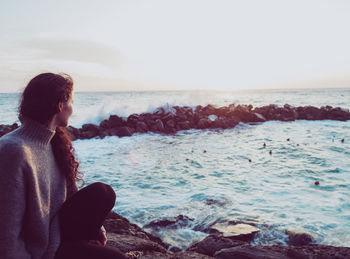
59,107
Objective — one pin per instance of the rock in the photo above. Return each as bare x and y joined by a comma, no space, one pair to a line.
338,114
183,125
243,232
310,251
208,110
132,120
89,131
179,221
117,224
177,118
190,255
148,255
141,127
214,243
248,252
116,121
106,124
260,117
73,132
166,117
170,123
215,202
203,123
309,113
127,243
121,132
137,243
299,238
160,125
158,255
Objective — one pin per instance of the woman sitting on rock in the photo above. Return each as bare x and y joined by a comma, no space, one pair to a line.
42,213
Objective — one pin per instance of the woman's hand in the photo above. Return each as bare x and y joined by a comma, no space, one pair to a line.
102,238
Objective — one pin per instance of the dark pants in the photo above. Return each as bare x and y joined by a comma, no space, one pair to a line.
81,218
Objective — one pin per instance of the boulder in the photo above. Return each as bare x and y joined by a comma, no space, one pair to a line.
89,131
167,116
133,119
127,243
117,224
170,124
179,221
310,251
121,131
141,127
267,111
248,252
160,125
169,255
183,125
338,114
73,133
213,243
243,232
296,238
190,255
203,123
220,123
208,110
309,113
116,121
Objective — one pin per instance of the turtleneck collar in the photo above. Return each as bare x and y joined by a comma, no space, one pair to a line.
36,131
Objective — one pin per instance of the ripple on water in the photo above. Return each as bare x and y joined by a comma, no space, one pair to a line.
333,171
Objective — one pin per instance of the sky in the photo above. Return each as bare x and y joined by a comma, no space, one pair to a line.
124,45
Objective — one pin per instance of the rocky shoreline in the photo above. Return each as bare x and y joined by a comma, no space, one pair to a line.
169,120
137,243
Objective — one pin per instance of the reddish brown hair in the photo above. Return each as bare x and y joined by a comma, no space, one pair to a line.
39,102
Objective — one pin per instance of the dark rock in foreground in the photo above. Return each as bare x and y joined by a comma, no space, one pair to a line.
243,232
248,252
136,243
214,243
179,221
296,238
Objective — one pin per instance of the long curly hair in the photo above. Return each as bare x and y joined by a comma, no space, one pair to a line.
39,102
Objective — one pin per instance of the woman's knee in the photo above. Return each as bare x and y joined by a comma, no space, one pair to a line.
104,191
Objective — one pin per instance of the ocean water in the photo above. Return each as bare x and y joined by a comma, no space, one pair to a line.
157,176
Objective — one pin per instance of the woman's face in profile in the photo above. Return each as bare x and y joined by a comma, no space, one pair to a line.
66,111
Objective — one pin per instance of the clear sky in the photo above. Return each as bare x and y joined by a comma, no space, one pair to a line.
179,44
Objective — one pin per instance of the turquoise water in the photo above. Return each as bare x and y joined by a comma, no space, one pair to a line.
158,176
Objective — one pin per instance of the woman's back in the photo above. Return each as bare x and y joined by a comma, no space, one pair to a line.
33,190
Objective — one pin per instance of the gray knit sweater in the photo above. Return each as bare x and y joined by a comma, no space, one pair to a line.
32,189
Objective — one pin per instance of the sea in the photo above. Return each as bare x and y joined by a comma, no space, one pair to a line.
221,175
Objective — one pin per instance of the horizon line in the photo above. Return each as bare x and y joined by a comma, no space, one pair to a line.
203,90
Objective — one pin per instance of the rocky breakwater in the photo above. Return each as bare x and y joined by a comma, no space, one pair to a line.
225,240
176,118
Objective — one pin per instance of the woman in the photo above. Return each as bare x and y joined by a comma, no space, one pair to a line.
42,213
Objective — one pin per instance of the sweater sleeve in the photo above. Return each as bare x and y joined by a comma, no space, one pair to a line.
12,202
